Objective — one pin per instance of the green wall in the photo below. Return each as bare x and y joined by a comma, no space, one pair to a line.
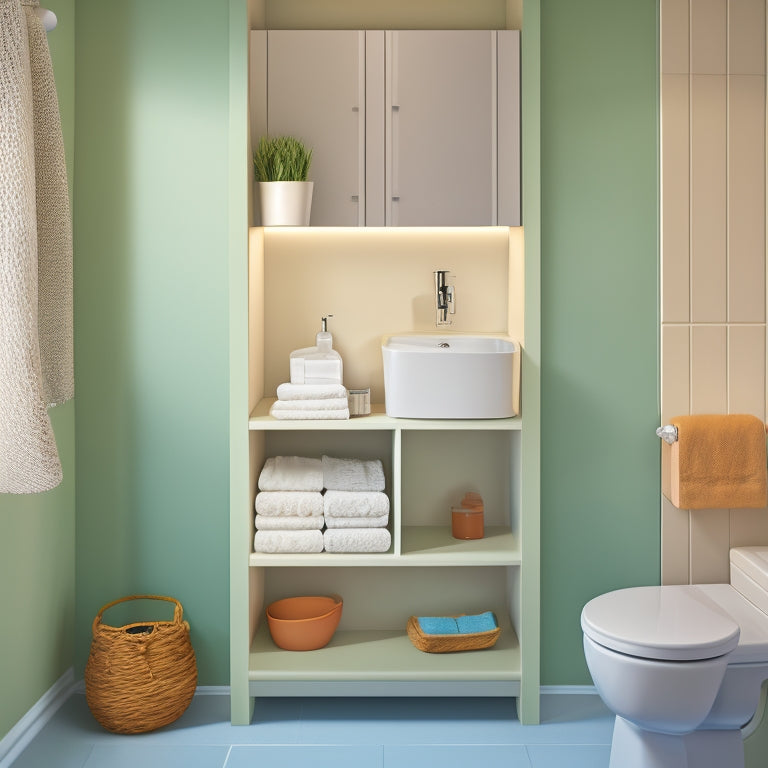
151,316
37,531
151,272
151,335
600,483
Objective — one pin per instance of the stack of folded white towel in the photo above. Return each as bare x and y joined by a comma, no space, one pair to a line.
292,510
289,506
311,401
355,506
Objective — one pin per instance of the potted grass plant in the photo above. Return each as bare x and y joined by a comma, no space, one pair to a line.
281,166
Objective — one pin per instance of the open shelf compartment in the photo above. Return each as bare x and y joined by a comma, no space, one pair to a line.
383,655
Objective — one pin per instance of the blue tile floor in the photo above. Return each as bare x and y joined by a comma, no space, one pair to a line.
575,732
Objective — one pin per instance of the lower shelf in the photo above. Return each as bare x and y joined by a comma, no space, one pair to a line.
378,662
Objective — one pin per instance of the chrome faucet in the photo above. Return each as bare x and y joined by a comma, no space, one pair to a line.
444,298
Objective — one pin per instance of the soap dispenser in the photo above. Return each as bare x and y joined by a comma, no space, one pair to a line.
320,364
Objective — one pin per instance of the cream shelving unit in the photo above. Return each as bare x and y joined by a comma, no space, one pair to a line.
291,279
428,465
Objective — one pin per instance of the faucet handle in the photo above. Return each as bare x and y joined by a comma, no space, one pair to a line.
449,299
444,298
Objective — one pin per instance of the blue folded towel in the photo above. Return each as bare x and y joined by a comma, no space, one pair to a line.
438,625
463,625
481,622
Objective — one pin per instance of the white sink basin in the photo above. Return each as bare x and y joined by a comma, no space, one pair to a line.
451,376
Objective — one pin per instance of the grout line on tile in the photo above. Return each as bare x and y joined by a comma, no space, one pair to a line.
528,756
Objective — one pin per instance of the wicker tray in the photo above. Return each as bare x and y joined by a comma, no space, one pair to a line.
476,641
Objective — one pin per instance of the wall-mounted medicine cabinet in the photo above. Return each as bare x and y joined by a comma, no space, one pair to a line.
407,128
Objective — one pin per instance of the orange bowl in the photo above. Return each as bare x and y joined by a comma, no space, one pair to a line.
303,623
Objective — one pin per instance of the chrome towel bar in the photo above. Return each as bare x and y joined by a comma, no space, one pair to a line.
668,433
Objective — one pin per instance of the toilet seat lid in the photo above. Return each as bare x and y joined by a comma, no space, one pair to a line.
676,623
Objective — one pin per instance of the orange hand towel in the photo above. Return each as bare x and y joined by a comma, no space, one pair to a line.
717,462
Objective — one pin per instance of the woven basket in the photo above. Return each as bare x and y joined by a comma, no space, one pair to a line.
475,641
141,676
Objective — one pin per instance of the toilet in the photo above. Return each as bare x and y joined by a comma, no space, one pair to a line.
681,666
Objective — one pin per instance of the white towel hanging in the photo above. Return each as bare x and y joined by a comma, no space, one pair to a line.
35,255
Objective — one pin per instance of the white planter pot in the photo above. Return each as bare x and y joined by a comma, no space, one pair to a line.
285,203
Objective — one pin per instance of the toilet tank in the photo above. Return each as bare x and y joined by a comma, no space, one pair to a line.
749,574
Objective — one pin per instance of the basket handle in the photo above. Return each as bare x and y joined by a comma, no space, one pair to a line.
178,611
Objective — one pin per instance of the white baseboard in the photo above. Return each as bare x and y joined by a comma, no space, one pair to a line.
582,690
19,737
201,690
212,690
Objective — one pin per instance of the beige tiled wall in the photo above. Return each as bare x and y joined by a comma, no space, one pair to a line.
713,249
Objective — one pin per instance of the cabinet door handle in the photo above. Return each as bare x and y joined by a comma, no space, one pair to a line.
396,198
355,198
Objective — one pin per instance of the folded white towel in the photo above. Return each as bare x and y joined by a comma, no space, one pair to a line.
283,523
291,473
288,541
289,503
300,413
352,474
325,404
290,391
355,522
355,504
357,540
